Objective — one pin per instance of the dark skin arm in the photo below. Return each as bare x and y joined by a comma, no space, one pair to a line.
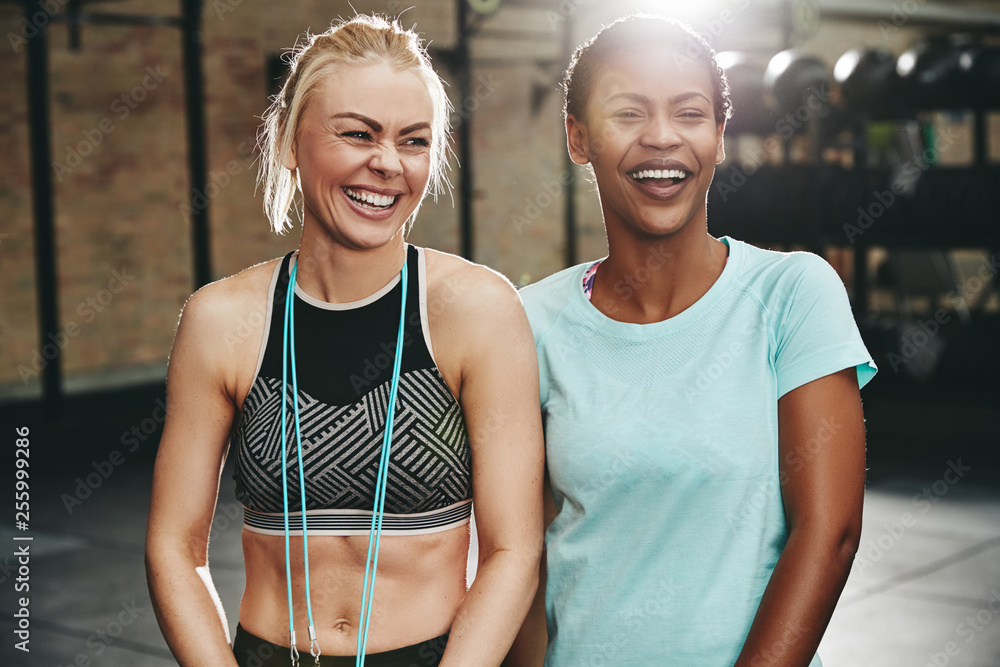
822,466
821,441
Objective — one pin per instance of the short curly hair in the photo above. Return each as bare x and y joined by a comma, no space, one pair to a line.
637,31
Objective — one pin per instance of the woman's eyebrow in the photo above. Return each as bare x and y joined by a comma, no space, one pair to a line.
674,99
632,97
415,127
681,97
377,126
370,122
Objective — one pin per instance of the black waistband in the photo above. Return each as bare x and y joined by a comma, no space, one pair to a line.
252,651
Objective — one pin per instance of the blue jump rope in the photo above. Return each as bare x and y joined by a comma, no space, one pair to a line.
375,535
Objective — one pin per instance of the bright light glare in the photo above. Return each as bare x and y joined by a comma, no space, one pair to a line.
846,64
695,13
906,63
726,59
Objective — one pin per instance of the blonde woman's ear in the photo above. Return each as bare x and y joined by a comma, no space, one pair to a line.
289,161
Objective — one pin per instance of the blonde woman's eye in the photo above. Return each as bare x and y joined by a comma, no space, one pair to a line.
418,141
364,136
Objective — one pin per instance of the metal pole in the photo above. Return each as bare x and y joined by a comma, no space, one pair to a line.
569,210
465,182
861,287
980,137
194,99
43,194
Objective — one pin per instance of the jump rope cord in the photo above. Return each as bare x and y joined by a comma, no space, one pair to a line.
284,456
313,644
375,535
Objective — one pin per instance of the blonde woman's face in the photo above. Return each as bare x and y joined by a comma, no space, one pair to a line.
362,150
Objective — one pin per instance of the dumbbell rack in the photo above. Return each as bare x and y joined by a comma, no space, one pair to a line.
854,204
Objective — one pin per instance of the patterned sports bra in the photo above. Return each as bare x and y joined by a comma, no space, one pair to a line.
345,354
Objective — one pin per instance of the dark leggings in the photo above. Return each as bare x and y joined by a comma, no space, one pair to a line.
252,651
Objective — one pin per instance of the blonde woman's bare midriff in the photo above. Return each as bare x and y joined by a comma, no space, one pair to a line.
420,584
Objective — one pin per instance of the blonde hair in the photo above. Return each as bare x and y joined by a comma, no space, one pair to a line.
363,40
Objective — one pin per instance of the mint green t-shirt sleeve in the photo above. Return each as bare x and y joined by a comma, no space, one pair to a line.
815,332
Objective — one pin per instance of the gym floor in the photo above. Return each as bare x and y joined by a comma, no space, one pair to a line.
925,589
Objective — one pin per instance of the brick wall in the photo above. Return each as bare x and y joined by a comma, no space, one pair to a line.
118,136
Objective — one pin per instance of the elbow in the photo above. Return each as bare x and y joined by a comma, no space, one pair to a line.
834,544
167,550
519,564
847,543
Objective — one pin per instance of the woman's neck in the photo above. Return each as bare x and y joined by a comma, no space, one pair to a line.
647,280
331,272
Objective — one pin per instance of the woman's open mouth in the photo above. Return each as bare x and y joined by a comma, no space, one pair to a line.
664,176
370,200
660,183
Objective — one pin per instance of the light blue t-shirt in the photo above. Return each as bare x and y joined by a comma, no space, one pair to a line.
662,451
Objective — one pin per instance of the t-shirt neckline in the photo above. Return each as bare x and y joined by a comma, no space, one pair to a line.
632,330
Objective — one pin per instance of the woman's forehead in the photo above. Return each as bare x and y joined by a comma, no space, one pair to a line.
652,72
374,89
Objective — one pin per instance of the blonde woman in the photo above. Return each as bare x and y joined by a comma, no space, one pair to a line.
359,134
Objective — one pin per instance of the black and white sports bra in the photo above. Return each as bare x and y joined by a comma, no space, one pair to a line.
345,355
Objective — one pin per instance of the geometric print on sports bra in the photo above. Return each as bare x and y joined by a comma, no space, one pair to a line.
430,463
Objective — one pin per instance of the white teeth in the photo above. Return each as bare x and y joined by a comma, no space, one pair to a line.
659,173
370,198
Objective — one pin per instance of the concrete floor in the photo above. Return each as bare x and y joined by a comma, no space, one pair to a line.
925,589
